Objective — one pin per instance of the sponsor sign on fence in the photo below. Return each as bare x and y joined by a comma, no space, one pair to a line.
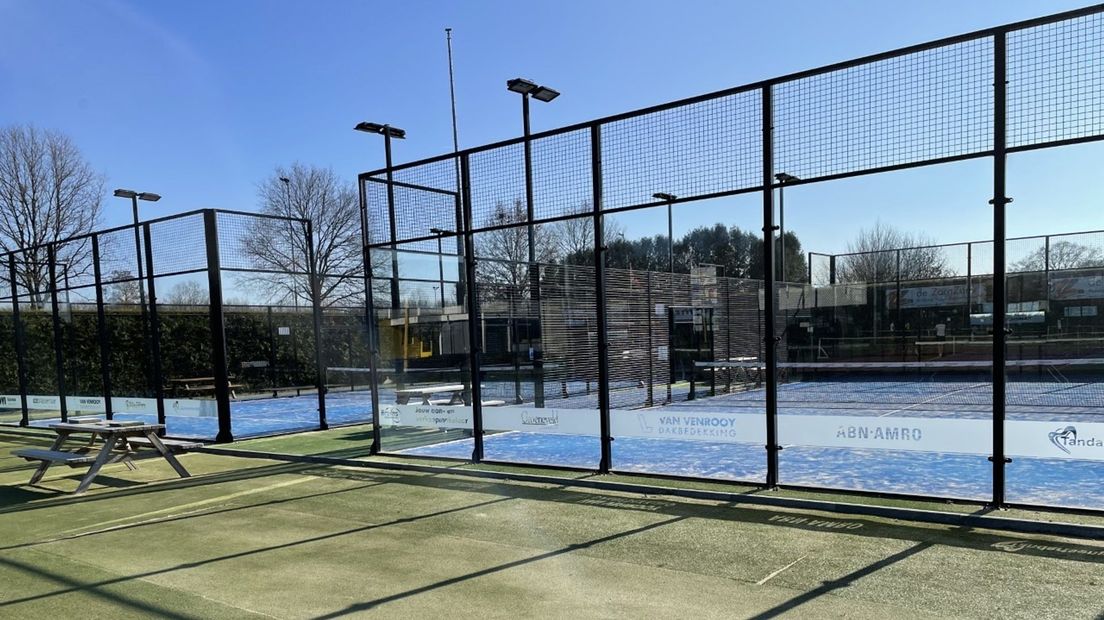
1077,287
428,416
533,420
1068,440
689,426
85,404
134,405
886,433
119,404
927,297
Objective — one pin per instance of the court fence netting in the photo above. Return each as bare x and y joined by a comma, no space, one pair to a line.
211,322
530,303
527,302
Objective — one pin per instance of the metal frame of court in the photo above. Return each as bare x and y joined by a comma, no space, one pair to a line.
186,244
1005,112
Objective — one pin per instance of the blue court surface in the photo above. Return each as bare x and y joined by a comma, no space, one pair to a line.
1068,482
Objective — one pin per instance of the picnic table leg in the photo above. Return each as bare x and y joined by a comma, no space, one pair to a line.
41,471
104,455
156,442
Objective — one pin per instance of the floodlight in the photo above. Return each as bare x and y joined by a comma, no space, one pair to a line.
521,85
545,94
667,197
150,196
126,193
386,130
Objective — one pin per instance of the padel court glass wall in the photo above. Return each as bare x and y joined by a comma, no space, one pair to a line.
773,284
207,322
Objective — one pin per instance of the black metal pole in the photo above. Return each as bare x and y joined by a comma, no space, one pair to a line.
391,218
782,231
218,328
475,347
441,271
898,326
155,328
671,304
1046,275
969,284
20,343
651,348
606,462
316,310
59,356
534,268
1000,296
104,335
138,252
769,339
370,322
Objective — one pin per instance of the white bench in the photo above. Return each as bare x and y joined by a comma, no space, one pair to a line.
455,392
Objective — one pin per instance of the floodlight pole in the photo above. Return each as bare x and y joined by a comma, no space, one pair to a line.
138,251
294,255
441,261
783,178
534,269
391,215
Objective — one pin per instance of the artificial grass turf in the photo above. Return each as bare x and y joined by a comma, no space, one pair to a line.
250,536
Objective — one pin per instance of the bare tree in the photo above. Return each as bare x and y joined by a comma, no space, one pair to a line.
1063,255
48,192
508,250
873,256
188,293
123,288
280,246
575,238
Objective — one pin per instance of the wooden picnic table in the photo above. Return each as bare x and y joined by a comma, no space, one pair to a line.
201,385
456,394
120,441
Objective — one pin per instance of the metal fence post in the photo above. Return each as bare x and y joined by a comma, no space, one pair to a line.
55,311
770,341
316,310
969,284
650,310
1000,294
1046,274
20,343
218,330
155,327
606,462
370,322
475,347
104,336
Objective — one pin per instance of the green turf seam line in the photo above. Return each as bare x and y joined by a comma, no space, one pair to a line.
1024,526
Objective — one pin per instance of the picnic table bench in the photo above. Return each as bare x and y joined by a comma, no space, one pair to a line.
455,392
426,394
200,385
120,440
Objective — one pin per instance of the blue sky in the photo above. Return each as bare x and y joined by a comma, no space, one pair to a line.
199,100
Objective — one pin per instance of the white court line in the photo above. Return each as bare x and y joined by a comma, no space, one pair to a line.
173,511
933,398
779,571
